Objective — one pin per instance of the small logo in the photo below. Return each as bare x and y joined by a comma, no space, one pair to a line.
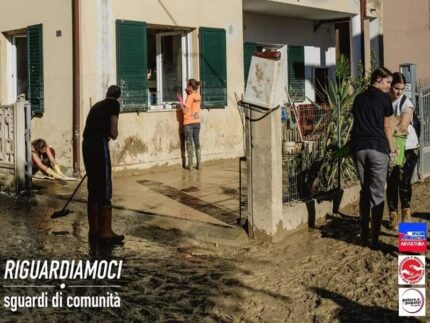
412,301
412,270
412,237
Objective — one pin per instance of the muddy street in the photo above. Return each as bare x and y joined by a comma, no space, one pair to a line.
315,275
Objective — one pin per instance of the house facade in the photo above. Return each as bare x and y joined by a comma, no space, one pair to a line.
49,74
316,32
63,54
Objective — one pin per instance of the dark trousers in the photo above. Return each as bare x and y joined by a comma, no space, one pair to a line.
99,171
399,182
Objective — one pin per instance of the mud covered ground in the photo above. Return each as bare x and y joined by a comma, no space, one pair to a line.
315,275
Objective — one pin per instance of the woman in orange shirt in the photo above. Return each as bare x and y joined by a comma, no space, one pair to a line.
191,111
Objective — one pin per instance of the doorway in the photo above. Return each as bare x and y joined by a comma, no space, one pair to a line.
18,67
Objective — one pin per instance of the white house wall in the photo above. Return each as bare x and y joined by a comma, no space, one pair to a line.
151,138
55,126
319,45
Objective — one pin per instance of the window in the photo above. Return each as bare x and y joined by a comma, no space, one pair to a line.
168,67
296,72
25,67
21,66
152,65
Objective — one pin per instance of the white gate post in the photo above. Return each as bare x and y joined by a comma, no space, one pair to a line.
20,145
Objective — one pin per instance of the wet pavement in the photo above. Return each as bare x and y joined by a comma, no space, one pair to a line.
174,221
210,195
192,263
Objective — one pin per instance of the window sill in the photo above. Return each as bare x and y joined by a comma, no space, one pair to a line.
170,106
161,110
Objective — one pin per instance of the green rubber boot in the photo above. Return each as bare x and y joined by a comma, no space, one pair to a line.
199,159
190,153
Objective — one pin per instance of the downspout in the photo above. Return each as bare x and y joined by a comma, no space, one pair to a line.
363,13
76,87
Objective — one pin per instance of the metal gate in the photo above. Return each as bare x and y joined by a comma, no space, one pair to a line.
423,100
15,147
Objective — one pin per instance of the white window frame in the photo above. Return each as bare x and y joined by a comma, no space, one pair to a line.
11,70
185,47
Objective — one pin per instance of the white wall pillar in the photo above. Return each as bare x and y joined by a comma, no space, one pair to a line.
265,147
266,185
356,50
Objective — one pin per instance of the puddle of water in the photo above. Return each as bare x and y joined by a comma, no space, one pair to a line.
181,196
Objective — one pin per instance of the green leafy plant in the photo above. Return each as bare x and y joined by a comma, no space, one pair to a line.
318,168
339,95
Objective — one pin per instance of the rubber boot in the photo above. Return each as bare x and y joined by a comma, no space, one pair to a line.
364,223
105,226
406,215
199,158
93,225
190,153
394,218
375,227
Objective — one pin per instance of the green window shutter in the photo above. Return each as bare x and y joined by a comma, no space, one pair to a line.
131,64
249,49
213,67
35,69
296,72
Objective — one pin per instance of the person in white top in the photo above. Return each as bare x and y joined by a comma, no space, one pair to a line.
399,177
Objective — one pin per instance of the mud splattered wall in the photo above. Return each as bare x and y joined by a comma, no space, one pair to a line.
152,138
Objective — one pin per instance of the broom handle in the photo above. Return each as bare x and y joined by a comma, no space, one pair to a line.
74,192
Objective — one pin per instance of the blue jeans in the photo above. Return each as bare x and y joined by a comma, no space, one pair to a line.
192,136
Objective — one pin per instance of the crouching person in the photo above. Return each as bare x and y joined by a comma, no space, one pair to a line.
43,158
101,126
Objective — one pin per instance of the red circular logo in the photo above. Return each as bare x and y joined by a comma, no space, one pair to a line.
411,270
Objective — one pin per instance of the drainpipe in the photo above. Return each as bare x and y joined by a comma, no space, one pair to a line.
76,87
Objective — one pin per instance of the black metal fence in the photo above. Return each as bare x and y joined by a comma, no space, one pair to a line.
303,149
423,107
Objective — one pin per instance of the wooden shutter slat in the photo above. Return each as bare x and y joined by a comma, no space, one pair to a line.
296,72
35,69
249,48
213,67
132,63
